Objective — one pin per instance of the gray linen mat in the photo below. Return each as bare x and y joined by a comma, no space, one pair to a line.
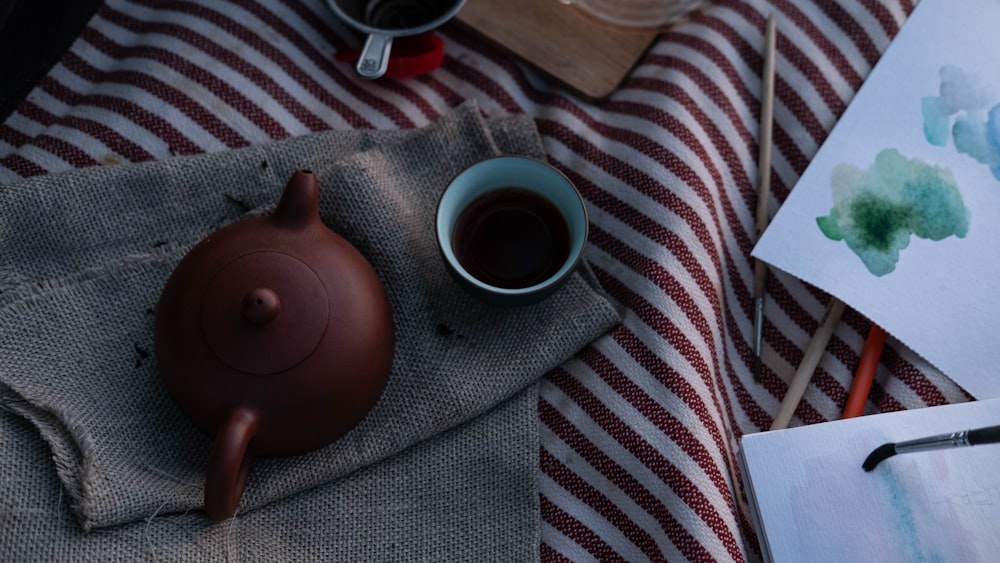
444,468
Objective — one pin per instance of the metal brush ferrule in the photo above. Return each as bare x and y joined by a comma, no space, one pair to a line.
952,440
758,326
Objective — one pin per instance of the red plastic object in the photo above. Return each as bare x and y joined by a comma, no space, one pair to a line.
413,55
865,374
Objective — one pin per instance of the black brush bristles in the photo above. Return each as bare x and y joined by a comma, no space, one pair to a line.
881,453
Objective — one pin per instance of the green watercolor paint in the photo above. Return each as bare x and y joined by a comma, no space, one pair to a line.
877,210
877,219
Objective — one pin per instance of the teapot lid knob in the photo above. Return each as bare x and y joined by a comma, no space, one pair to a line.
261,305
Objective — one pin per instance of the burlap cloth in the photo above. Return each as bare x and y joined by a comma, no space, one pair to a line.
444,468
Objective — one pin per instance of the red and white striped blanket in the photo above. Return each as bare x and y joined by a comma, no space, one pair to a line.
640,431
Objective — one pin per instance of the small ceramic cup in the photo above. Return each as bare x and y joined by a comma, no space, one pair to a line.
383,20
511,229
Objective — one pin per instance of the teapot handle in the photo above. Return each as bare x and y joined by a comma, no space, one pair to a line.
229,464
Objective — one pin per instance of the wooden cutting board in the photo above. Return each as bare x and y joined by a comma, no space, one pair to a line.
587,55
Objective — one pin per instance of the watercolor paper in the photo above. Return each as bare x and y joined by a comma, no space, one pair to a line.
812,501
898,215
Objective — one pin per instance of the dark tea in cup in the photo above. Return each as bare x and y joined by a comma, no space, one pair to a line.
511,229
511,237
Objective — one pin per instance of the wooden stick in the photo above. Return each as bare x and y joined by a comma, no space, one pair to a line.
802,377
766,125
763,184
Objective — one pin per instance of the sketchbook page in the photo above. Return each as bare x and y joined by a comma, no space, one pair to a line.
898,215
815,502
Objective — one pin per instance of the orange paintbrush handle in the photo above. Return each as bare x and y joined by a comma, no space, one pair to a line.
862,384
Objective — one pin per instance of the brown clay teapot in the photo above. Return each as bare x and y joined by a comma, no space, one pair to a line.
273,334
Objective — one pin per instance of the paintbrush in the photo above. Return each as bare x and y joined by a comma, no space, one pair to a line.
987,435
763,185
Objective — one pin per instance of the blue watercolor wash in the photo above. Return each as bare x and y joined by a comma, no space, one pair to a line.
976,129
969,135
991,131
936,121
906,524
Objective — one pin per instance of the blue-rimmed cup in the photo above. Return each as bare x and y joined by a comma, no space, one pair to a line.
511,229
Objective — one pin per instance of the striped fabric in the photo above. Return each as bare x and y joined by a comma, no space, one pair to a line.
640,431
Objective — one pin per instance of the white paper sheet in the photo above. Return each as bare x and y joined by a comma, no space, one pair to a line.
915,166
815,503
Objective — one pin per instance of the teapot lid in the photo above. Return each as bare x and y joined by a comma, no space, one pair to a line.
280,319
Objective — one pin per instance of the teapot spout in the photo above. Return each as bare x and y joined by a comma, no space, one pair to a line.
299,204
